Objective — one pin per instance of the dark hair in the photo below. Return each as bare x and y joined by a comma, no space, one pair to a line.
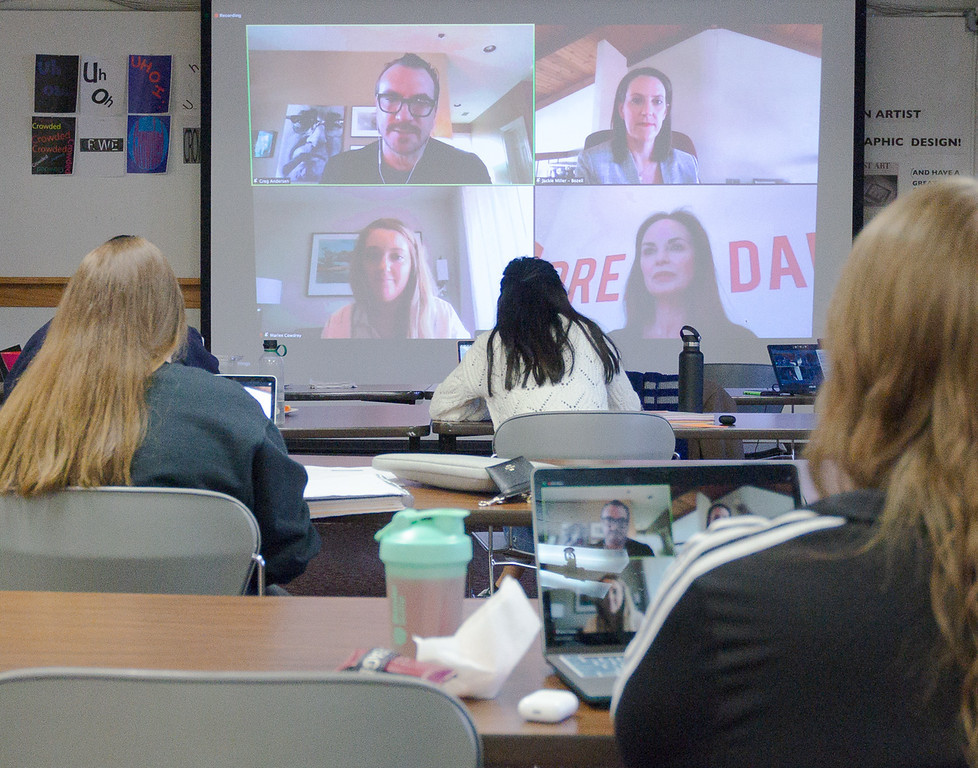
413,61
618,503
662,147
532,316
703,303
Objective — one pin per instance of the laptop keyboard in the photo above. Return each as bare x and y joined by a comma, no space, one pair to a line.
594,665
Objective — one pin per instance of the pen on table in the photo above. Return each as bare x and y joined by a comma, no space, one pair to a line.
756,392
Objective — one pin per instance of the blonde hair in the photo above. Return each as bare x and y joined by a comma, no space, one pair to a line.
417,300
79,411
898,413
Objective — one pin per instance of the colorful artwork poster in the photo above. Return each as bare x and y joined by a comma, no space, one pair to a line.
55,83
148,143
149,84
52,145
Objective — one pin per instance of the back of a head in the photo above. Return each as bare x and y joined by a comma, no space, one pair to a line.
897,411
124,293
78,413
902,336
532,321
531,296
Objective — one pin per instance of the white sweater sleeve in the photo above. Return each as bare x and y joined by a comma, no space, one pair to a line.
622,395
461,396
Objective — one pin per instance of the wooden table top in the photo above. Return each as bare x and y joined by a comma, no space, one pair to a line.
749,426
191,632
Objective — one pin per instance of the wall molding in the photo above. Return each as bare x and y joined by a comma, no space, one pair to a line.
46,291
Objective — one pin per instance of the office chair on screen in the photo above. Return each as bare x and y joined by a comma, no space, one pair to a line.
116,539
578,436
680,141
120,718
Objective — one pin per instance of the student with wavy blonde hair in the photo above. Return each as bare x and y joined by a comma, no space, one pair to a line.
101,405
847,633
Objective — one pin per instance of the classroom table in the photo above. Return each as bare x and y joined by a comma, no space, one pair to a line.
194,632
791,427
311,426
784,401
353,392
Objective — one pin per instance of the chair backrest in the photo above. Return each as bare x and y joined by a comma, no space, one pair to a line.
116,718
743,376
679,140
583,435
111,539
657,391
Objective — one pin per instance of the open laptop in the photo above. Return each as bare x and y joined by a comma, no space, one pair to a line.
463,347
597,574
796,367
262,388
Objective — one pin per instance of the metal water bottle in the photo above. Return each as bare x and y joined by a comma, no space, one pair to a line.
690,371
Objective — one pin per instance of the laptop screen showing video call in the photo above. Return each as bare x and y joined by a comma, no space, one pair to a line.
605,536
797,367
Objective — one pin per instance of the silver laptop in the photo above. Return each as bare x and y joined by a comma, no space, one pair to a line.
604,537
262,388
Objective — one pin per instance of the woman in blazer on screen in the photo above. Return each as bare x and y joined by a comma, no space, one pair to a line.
640,150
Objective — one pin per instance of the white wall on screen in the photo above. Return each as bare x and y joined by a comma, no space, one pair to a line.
559,126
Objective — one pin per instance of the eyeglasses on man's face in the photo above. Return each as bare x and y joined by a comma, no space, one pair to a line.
418,106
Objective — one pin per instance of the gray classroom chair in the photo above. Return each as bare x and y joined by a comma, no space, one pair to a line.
101,718
585,435
123,539
580,436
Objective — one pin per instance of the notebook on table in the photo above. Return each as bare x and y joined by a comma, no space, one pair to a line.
262,388
604,537
796,367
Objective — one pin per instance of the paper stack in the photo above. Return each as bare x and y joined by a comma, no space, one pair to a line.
353,490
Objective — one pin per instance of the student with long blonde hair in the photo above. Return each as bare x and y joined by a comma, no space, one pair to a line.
100,405
845,634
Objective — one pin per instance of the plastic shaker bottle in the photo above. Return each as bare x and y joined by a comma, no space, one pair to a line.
426,556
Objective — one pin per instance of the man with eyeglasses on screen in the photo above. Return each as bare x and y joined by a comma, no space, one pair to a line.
406,96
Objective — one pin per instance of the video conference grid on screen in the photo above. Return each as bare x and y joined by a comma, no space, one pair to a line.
673,171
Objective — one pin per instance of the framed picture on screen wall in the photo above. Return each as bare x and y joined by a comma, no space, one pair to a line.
329,264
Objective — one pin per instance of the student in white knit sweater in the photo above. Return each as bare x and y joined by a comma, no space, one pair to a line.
542,355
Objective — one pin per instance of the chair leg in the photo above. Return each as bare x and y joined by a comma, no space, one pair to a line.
492,564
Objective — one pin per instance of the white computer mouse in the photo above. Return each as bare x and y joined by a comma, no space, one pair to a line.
548,705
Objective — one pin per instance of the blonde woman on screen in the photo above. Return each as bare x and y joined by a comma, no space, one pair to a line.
393,291
101,405
863,649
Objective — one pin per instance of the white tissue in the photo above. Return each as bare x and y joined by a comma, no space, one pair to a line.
488,645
